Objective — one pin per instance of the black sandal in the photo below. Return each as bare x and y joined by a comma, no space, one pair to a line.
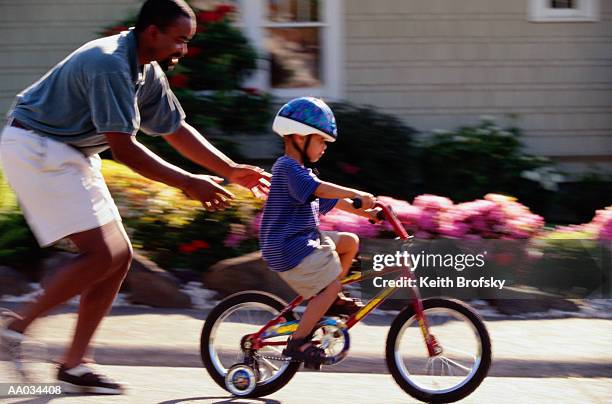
312,356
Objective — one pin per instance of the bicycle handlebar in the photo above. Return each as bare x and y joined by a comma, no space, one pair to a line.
386,213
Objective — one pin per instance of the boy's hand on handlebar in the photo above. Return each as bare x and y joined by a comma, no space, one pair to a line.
367,200
375,215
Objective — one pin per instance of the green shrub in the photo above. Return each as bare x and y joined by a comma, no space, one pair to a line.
208,82
18,247
221,56
374,152
577,200
176,232
471,161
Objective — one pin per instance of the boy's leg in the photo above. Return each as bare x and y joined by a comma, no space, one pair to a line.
317,306
347,246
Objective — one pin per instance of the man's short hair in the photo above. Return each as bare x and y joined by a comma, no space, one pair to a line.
162,13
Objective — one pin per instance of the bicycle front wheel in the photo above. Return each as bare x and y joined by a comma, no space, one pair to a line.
452,374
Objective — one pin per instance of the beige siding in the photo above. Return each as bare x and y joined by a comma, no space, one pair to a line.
444,63
36,34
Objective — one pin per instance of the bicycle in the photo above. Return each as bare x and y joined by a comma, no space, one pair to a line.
243,336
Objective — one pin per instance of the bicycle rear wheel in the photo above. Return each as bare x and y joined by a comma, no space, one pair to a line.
461,366
220,343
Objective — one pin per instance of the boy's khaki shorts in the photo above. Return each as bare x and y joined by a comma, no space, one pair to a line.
317,270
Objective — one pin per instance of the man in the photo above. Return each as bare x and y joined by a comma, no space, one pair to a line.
99,97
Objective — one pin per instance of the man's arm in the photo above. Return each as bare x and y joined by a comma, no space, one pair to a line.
191,144
129,151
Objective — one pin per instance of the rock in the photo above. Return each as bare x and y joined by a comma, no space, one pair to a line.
248,272
12,282
517,302
150,285
518,307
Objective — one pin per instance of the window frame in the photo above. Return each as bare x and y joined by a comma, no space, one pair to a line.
254,25
585,11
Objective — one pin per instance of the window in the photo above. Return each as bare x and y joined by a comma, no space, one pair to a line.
300,43
563,10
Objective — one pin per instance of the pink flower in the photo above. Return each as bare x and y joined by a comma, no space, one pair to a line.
428,221
432,202
338,220
256,223
233,240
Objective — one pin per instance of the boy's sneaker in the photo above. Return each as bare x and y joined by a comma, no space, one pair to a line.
11,345
82,379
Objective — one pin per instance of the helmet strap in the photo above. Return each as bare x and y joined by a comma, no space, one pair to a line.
303,152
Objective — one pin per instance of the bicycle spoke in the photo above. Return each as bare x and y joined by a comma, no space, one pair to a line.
243,320
471,356
450,361
438,373
275,349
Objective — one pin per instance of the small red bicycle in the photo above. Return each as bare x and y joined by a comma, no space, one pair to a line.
243,337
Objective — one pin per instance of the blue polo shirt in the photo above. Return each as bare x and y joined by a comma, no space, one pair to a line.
100,88
289,226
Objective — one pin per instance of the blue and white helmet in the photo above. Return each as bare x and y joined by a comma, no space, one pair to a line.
304,116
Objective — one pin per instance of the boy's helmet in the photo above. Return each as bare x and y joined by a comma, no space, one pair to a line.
305,116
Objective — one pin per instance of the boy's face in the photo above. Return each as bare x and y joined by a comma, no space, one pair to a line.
316,148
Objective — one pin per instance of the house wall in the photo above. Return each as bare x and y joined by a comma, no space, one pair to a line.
436,64
37,34
442,63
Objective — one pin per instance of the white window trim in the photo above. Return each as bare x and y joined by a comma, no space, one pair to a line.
586,10
332,56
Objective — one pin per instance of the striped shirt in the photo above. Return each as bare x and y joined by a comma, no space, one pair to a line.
289,226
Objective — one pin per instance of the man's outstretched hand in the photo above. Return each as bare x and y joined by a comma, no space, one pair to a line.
254,178
205,188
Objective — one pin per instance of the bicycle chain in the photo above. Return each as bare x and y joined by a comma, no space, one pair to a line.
275,358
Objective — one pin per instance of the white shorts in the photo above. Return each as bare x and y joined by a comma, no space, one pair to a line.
60,191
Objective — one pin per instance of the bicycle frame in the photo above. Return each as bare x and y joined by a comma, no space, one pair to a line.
279,325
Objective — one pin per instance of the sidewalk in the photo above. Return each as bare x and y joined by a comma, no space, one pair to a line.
135,336
166,385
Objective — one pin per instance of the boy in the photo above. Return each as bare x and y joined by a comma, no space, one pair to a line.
310,261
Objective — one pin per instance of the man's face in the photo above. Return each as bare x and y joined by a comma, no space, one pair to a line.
170,44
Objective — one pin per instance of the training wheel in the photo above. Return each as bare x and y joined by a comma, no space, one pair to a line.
241,380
